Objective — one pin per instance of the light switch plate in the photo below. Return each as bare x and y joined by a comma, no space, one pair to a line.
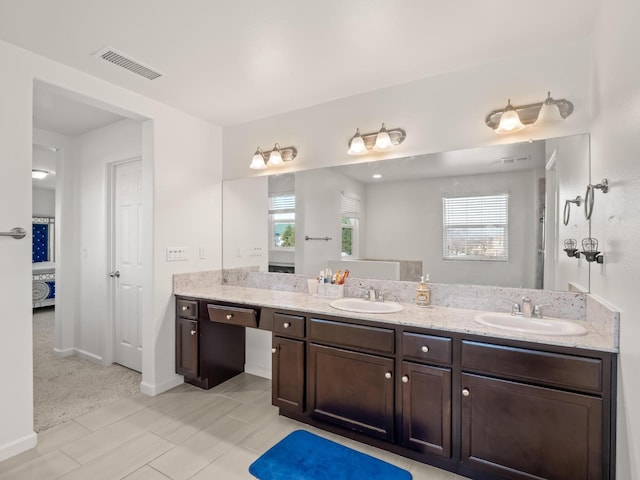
176,254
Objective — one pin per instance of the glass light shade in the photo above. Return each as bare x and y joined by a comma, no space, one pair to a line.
383,140
570,243
590,245
549,112
509,120
356,145
275,158
39,174
257,163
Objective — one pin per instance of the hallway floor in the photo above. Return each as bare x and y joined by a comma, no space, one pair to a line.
185,433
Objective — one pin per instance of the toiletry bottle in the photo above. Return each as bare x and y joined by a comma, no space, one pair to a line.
422,293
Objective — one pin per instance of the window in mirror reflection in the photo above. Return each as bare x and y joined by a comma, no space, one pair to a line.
282,221
350,210
476,228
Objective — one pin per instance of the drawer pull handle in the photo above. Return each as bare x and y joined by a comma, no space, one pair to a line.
193,332
286,325
185,308
465,392
274,350
387,375
425,349
229,316
405,379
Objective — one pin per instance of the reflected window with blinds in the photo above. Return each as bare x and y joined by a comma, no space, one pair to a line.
282,221
350,212
476,228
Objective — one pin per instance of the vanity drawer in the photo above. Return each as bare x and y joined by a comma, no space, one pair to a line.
426,347
187,309
288,325
355,336
244,317
555,369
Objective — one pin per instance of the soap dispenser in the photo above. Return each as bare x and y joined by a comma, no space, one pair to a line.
422,293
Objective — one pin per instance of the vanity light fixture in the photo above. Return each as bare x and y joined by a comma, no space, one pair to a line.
39,174
512,118
272,158
590,250
379,141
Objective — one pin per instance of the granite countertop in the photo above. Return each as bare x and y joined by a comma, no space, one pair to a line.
433,317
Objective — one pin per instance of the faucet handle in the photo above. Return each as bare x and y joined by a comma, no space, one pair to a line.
537,309
515,307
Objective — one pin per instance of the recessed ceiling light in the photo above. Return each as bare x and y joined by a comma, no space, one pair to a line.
377,175
39,174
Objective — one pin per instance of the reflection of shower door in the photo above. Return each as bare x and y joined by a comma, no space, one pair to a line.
540,214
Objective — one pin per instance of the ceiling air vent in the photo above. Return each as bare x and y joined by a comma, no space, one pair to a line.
121,60
515,159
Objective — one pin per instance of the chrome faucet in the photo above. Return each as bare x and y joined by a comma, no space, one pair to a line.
526,307
375,295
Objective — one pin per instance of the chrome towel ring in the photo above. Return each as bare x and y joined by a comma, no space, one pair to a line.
567,208
589,196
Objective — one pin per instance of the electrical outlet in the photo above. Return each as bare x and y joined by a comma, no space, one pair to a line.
175,254
202,253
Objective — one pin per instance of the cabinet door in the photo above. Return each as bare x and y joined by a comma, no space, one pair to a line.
288,374
351,389
522,431
187,347
426,408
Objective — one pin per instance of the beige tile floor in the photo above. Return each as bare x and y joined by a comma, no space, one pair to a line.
186,433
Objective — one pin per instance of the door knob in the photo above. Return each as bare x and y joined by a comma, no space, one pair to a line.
274,350
16,232
387,375
465,392
115,274
193,332
405,379
286,325
229,316
425,349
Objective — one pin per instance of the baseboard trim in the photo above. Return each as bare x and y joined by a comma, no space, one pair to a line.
156,389
66,352
88,355
20,445
258,371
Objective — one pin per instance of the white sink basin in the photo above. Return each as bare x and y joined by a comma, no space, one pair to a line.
540,326
360,305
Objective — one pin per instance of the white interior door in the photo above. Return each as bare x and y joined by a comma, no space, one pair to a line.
127,269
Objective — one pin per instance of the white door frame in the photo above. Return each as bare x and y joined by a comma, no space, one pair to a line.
110,343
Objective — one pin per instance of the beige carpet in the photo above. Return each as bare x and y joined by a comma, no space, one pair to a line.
67,387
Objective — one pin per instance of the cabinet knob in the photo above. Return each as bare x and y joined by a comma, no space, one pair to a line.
193,332
286,325
229,316
387,375
185,308
274,350
465,392
424,349
405,379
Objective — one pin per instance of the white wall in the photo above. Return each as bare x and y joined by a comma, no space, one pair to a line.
184,177
615,143
92,154
44,202
406,218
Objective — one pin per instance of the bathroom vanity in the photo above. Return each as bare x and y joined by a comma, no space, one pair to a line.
429,384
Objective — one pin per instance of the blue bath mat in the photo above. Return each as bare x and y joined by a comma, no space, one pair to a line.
304,456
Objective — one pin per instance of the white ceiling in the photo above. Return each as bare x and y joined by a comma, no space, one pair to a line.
235,61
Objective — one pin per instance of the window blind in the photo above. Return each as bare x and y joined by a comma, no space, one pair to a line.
350,207
282,203
476,228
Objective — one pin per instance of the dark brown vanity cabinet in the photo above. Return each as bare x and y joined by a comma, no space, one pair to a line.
288,364
533,414
426,393
350,383
187,338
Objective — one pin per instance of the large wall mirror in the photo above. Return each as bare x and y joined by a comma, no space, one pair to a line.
483,216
